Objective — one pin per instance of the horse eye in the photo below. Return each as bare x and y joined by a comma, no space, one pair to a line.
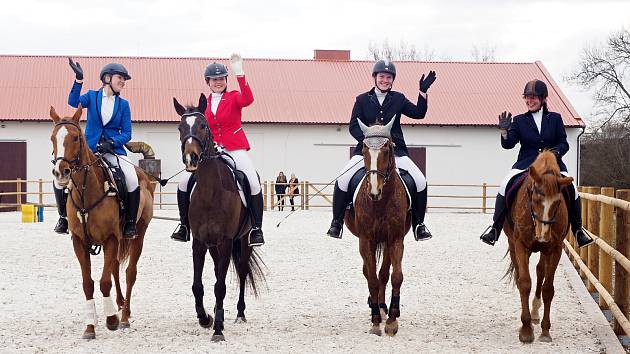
76,138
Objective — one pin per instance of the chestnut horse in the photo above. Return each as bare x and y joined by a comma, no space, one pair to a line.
219,221
380,221
93,219
538,222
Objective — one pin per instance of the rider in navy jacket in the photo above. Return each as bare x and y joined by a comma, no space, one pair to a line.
536,130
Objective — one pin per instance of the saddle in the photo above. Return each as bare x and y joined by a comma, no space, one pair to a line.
358,176
115,184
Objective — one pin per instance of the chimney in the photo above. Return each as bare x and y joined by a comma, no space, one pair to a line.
325,54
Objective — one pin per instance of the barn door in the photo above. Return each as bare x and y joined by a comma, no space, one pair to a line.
12,167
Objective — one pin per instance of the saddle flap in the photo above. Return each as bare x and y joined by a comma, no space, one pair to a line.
513,186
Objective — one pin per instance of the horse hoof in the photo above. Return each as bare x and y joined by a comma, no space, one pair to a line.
218,338
391,328
89,335
241,319
206,322
112,322
124,325
545,339
526,338
376,330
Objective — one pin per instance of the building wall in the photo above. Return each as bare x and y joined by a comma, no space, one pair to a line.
455,155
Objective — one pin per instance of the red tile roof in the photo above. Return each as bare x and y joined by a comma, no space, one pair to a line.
285,91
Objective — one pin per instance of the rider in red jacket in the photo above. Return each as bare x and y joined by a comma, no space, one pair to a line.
224,119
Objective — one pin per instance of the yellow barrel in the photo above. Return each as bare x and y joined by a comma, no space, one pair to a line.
29,213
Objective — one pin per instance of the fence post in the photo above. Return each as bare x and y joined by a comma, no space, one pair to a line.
41,192
606,234
18,194
584,250
622,278
302,191
272,188
308,192
593,226
484,195
264,187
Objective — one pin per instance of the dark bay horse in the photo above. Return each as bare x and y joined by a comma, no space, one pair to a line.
93,218
539,223
380,221
219,221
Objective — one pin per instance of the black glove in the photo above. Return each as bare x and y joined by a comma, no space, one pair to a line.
505,120
425,83
76,67
105,147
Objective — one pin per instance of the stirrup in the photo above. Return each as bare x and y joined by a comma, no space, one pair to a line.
331,232
423,236
130,232
181,233
584,242
62,226
485,236
258,239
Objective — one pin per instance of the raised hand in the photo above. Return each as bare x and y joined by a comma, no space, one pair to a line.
76,67
505,120
236,62
425,83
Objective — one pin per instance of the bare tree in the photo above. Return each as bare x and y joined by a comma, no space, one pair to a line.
484,53
402,51
605,157
605,69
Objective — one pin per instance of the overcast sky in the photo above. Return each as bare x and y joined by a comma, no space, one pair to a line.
554,32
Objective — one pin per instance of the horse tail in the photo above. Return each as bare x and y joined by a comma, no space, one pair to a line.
509,273
124,246
380,246
255,275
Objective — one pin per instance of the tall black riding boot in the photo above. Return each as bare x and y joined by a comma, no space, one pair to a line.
340,202
182,234
575,216
61,198
133,204
419,208
500,211
256,208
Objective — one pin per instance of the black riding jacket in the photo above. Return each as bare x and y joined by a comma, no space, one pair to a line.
369,111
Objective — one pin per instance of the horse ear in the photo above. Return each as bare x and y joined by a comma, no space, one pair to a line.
363,127
53,114
565,181
534,174
203,104
77,114
178,107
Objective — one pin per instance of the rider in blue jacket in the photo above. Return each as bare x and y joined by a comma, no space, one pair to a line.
107,130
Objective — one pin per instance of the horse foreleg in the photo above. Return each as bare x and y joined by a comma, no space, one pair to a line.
395,251
110,250
548,292
540,276
524,283
368,253
135,250
383,278
225,251
88,286
199,259
243,271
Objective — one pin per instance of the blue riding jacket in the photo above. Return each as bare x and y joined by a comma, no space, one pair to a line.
524,130
118,129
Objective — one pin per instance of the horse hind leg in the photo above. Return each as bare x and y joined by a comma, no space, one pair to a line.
396,253
243,271
536,302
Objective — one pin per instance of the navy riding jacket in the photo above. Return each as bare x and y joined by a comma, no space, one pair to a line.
370,111
524,130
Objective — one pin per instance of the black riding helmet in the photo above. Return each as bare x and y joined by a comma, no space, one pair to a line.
536,88
215,70
384,66
115,68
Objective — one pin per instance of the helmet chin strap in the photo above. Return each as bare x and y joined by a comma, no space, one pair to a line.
376,86
110,87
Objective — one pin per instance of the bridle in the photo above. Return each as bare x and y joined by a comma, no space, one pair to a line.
390,167
206,152
74,162
531,189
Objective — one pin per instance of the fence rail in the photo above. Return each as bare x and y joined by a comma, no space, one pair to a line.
311,195
604,264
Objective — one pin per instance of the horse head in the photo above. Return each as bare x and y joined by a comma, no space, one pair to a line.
195,136
68,145
545,197
378,156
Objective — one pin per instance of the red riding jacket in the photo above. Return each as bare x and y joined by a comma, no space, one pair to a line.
226,124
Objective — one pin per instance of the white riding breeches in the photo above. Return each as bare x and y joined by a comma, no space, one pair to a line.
513,172
129,170
403,162
243,163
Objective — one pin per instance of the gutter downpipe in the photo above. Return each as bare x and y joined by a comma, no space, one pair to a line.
579,153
